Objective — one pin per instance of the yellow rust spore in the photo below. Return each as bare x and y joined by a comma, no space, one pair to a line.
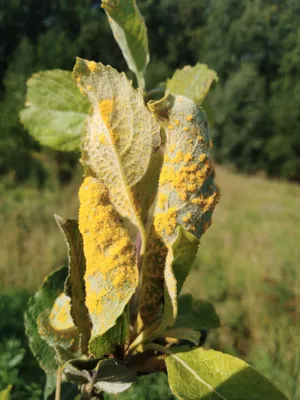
165,223
102,138
92,66
110,255
189,117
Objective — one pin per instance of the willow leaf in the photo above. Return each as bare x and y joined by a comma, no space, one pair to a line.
44,299
209,374
111,275
74,285
115,337
130,32
56,326
196,314
55,110
186,197
192,82
121,135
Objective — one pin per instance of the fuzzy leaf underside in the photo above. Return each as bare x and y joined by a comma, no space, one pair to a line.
192,82
74,285
130,32
212,375
196,314
55,110
113,376
115,337
111,275
120,137
44,299
186,198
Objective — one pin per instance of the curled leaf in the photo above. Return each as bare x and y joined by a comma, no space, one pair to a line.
111,275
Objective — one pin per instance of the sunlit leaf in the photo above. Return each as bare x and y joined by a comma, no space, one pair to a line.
209,374
5,394
192,82
55,110
121,135
111,271
130,32
74,285
186,196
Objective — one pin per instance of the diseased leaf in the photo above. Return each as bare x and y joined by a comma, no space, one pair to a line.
180,258
130,32
113,376
74,285
116,336
121,135
44,299
192,82
111,271
55,110
209,374
186,197
56,327
196,314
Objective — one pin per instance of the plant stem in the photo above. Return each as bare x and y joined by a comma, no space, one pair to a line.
58,384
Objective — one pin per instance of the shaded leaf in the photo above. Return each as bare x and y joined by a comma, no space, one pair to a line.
209,374
192,82
130,32
113,376
121,135
74,285
183,334
111,271
55,110
196,314
44,299
116,336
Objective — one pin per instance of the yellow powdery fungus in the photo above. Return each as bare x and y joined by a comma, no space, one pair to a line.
111,272
187,181
60,315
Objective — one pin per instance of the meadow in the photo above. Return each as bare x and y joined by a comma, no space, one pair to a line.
247,266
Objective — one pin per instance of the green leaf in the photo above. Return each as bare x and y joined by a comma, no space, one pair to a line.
180,258
209,374
121,135
74,285
183,334
192,82
113,376
116,336
196,314
111,267
5,394
55,110
44,299
130,32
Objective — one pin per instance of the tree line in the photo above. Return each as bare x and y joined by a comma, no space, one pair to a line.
253,45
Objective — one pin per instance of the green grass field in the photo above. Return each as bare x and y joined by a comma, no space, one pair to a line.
248,264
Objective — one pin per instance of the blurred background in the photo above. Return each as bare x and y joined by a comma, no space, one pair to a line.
249,260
